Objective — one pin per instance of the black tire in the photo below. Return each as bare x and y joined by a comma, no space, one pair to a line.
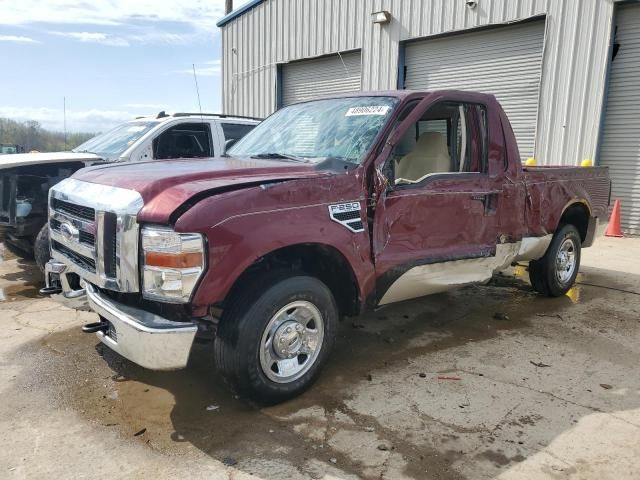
545,275
41,251
240,334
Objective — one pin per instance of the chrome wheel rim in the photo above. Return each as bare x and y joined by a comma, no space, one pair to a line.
291,342
566,261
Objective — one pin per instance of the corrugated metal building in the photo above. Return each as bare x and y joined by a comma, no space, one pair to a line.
566,71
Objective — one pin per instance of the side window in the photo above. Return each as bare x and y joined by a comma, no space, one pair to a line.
187,140
440,142
235,131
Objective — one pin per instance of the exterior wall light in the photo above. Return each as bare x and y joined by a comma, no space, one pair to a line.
381,17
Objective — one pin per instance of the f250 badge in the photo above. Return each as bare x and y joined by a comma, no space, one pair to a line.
348,215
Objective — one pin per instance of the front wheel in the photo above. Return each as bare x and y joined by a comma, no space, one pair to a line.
555,273
274,338
41,250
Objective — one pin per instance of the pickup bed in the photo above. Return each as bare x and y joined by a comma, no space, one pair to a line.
327,208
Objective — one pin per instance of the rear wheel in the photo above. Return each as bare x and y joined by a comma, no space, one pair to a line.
555,273
275,337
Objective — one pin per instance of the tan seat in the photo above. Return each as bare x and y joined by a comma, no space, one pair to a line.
430,155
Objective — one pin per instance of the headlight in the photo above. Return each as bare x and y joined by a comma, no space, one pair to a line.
172,264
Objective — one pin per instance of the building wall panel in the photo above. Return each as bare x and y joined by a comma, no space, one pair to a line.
621,135
505,61
573,72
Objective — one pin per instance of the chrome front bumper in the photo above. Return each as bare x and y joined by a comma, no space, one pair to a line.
145,338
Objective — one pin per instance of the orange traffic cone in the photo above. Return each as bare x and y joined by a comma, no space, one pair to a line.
614,230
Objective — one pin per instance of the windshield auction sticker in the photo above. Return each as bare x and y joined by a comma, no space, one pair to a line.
372,110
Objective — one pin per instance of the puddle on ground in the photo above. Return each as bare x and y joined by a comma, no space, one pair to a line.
16,293
195,407
6,254
20,279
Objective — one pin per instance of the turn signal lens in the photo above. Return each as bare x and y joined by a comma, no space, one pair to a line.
173,260
173,263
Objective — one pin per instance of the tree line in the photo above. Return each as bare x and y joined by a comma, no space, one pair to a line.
31,136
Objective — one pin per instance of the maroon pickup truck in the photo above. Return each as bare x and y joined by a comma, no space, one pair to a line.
327,208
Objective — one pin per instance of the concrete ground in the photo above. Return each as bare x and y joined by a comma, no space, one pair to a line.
434,388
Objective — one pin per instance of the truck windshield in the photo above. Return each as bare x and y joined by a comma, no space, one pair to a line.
338,128
112,144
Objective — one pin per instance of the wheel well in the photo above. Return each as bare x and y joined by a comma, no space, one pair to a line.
577,215
316,260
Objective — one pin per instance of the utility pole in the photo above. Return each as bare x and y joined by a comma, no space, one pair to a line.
64,119
228,6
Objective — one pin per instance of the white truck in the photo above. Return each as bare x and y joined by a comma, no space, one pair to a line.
25,179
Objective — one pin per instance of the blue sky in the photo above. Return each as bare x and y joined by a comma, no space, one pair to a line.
112,59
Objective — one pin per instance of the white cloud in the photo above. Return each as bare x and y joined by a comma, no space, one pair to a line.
95,37
126,39
207,69
202,14
167,38
133,21
77,121
146,106
17,39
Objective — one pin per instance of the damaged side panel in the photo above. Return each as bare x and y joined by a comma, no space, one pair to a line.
550,190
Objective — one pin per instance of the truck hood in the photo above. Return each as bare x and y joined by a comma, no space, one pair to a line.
23,159
166,185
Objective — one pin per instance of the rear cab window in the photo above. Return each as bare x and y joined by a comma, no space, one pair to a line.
186,140
235,131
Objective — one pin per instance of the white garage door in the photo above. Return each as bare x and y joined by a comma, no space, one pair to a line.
309,79
504,61
621,140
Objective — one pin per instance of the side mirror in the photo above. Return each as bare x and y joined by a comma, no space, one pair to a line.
229,143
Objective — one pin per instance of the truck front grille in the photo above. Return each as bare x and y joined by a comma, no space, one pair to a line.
90,225
84,237
110,244
85,263
85,213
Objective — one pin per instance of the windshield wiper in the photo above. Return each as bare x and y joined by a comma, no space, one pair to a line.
282,156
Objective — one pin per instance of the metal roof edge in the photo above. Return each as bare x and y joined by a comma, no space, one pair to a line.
236,13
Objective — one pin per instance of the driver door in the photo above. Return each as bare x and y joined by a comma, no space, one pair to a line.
437,222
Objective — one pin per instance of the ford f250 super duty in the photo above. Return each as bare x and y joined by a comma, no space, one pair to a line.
25,178
325,209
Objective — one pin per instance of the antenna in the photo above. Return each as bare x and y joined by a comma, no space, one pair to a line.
64,119
195,78
346,70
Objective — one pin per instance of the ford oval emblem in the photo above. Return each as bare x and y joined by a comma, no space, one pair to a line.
68,231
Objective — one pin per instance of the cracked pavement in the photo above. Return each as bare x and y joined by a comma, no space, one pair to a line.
432,388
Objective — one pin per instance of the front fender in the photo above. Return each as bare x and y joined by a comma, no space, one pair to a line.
244,225
240,240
